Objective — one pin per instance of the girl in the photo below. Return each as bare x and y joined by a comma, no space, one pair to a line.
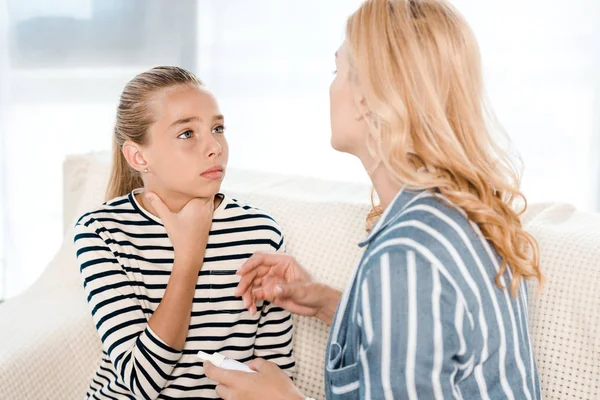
159,259
437,307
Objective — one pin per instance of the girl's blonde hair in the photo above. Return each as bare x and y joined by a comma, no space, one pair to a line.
134,117
418,67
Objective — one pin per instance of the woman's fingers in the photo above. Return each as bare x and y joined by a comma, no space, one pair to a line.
220,375
223,392
251,279
259,259
247,299
262,275
256,260
266,293
246,282
259,365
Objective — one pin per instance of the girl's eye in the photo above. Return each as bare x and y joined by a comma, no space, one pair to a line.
335,71
219,129
186,135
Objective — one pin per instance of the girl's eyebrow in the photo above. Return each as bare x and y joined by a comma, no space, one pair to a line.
182,121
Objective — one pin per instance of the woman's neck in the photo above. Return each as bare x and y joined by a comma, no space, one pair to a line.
385,185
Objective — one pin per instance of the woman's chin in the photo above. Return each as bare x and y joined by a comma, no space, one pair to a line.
335,144
340,146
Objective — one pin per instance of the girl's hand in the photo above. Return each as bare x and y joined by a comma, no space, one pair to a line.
188,229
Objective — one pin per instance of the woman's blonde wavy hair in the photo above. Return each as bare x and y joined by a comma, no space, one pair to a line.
418,67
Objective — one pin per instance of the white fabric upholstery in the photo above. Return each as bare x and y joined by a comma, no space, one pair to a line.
565,318
49,348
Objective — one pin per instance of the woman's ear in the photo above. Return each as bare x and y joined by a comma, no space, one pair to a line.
363,110
134,156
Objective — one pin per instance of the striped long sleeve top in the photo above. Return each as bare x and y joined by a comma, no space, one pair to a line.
422,317
125,259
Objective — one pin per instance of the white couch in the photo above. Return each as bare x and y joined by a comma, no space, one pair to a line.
49,348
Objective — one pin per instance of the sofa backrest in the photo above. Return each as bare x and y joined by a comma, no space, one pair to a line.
323,221
565,318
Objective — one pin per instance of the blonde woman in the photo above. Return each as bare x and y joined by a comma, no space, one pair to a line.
437,307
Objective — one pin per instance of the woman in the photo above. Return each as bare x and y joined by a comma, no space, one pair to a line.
437,306
158,259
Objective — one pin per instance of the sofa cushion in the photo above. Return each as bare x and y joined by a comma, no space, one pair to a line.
565,318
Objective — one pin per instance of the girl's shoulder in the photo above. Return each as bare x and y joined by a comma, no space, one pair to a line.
234,211
117,208
237,207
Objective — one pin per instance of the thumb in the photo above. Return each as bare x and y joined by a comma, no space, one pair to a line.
161,209
259,364
294,291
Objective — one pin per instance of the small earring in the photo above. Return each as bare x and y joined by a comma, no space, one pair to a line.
146,170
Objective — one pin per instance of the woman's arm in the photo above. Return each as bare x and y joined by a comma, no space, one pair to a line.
410,333
330,298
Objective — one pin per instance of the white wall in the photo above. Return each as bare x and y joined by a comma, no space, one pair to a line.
270,64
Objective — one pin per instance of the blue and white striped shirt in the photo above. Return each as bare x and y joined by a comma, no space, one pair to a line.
422,316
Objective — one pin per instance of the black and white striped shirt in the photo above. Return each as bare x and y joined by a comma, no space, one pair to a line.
125,259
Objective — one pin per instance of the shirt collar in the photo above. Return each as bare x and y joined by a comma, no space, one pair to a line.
398,204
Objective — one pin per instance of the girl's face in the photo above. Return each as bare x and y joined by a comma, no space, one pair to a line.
187,153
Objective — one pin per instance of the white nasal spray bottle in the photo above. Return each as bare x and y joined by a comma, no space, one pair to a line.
223,362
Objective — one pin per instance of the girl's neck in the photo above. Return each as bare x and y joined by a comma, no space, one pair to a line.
174,201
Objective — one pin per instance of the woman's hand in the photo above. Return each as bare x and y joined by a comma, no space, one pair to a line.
188,229
269,382
280,280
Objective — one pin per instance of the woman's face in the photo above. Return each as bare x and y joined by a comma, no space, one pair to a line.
348,128
187,152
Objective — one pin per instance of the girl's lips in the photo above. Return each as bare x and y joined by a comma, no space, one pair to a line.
213,173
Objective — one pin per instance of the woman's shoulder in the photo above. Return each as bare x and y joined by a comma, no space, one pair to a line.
429,216
435,230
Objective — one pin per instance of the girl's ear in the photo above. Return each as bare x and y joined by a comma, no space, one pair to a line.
134,155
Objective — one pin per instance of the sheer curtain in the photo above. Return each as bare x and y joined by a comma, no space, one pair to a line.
542,65
269,62
3,117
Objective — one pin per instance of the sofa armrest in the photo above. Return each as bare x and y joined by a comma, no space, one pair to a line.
49,348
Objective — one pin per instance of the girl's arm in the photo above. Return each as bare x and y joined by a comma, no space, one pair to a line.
144,352
188,231
142,358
